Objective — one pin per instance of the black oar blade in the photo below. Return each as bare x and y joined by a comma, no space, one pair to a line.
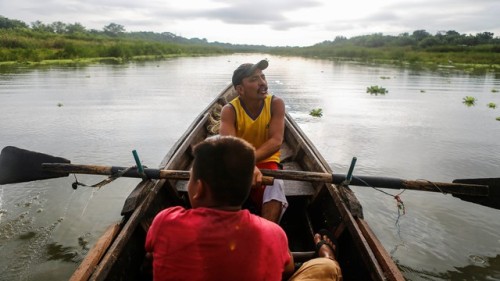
20,165
492,200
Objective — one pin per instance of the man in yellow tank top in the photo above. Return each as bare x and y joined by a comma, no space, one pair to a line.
259,118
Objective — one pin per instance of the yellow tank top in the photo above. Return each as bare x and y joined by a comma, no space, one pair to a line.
255,131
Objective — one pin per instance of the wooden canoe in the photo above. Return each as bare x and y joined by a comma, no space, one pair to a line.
119,253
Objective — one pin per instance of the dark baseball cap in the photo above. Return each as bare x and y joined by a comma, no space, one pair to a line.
246,70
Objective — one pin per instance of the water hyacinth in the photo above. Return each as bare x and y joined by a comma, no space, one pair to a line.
375,90
317,112
469,101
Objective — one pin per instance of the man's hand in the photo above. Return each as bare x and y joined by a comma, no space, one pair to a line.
257,177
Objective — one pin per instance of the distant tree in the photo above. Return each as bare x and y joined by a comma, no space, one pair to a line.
11,24
40,27
450,37
340,39
469,40
59,27
452,33
75,28
484,37
114,29
428,42
420,35
404,39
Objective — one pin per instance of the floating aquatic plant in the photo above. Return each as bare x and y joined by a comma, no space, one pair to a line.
494,90
469,101
59,104
498,118
317,112
492,105
375,90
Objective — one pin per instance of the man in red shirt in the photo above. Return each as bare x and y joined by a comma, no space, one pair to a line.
216,239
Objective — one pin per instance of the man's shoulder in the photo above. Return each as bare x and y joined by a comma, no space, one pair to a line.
171,213
277,101
275,98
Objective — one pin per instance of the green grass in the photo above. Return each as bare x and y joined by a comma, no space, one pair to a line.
30,47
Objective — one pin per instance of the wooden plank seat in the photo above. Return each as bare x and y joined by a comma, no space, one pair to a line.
292,188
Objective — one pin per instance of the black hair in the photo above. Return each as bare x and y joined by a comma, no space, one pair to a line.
226,165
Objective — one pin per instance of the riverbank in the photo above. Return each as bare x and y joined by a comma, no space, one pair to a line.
88,61
29,47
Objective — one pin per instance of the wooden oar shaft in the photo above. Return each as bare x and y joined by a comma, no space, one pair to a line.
131,173
382,182
111,170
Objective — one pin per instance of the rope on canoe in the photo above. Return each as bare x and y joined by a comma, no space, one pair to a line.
437,187
105,181
397,197
214,120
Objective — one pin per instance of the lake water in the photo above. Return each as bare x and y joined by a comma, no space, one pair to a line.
98,114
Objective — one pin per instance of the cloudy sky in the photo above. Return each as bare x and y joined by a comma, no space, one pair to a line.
267,22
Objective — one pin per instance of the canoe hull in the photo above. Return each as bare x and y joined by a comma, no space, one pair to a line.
312,206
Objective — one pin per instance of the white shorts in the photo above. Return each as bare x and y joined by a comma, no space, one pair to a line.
276,192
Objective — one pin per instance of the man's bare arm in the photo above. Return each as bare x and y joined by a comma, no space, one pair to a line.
227,121
276,131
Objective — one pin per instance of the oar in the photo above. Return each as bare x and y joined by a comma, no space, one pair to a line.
493,199
482,191
19,165
470,188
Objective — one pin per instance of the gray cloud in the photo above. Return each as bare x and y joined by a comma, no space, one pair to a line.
432,16
271,13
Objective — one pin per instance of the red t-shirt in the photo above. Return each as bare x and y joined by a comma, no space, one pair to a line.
210,244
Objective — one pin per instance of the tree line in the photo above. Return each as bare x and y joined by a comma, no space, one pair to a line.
419,38
39,41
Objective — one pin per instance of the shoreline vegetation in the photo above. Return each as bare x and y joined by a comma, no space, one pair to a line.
60,43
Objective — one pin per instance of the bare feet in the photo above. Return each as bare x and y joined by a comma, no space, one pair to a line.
326,246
